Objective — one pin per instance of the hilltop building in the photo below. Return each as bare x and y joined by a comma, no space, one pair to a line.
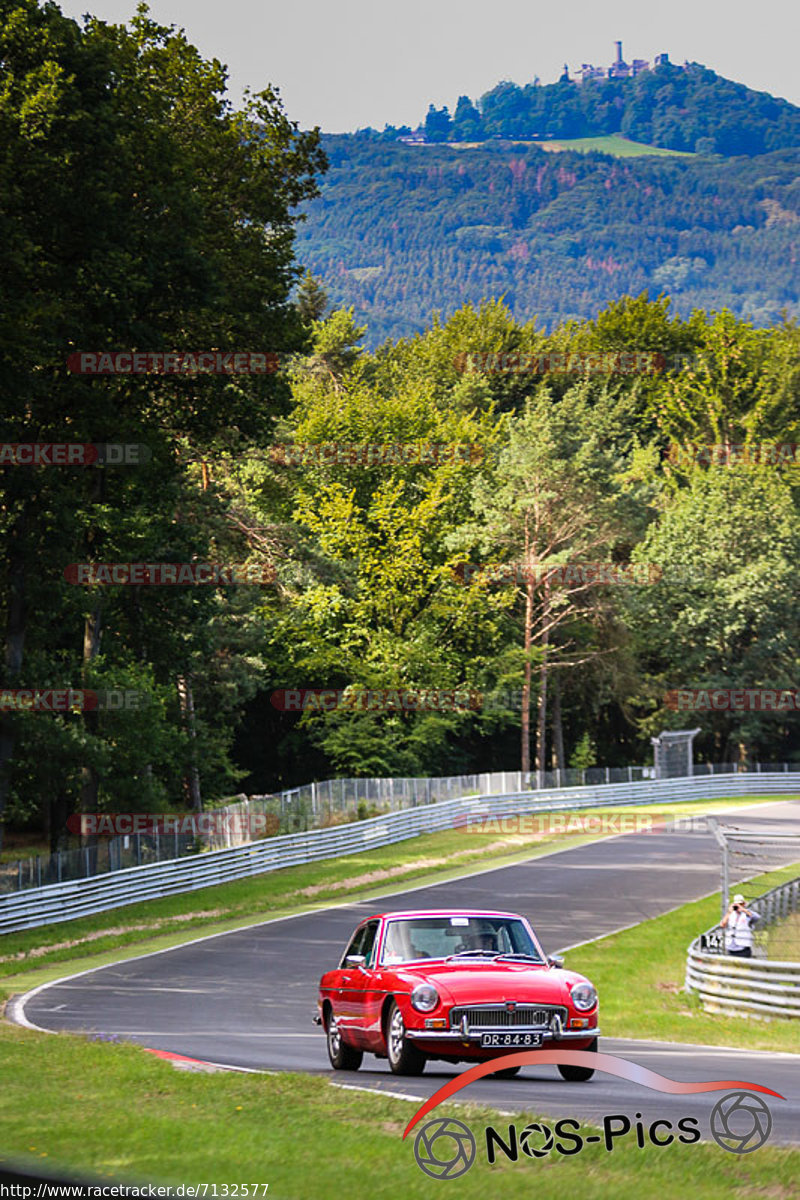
619,69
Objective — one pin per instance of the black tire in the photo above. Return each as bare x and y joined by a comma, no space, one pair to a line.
404,1057
578,1074
506,1073
342,1056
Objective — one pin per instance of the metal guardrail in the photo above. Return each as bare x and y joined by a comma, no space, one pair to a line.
747,986
314,806
82,897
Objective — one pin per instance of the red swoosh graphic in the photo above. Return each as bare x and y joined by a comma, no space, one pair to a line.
609,1063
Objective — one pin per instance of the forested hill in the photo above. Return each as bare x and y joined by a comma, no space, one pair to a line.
400,231
687,108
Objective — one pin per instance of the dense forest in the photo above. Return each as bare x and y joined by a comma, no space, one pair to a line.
181,236
401,231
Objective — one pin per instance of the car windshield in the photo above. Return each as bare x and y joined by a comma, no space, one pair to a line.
409,939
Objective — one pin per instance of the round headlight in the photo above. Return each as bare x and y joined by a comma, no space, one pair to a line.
424,997
584,996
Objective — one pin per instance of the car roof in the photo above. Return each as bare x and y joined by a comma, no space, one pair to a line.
442,912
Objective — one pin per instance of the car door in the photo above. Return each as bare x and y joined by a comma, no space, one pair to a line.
345,1002
357,1000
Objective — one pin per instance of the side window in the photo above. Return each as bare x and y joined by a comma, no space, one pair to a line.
368,944
355,945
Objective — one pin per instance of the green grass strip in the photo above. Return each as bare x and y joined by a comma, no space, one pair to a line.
118,1113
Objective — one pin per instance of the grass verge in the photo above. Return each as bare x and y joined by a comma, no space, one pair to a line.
116,1112
30,957
652,1005
782,940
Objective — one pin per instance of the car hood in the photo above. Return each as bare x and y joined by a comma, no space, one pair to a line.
482,983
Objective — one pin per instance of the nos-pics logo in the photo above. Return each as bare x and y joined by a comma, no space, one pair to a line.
444,1148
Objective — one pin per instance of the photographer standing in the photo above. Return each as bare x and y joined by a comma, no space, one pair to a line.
738,924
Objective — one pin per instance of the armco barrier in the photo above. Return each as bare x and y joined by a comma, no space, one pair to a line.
757,987
82,897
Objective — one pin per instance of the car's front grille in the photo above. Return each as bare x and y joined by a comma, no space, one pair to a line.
497,1016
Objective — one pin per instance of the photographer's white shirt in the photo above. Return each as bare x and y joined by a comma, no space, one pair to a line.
739,930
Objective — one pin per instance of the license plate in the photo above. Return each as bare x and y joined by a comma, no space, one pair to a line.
511,1039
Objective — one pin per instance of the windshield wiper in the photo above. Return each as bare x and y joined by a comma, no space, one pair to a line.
521,957
473,954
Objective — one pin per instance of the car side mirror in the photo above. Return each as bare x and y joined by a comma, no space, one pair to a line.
355,960
553,960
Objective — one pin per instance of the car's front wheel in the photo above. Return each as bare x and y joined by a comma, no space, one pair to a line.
578,1074
404,1057
342,1056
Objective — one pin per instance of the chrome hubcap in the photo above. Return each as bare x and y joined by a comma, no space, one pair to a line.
334,1040
396,1036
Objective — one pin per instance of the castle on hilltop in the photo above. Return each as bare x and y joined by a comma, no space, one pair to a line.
619,69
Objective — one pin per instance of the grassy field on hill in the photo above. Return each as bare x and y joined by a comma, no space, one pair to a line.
614,143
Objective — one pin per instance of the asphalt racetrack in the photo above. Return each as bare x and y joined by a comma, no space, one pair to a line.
246,999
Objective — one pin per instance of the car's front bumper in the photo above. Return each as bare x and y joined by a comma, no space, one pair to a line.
475,1036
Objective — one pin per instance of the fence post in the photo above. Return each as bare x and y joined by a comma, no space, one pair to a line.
725,878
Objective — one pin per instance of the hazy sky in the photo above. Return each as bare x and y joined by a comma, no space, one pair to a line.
343,64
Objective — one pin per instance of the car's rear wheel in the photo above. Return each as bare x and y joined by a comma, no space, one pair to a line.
578,1074
404,1057
506,1073
342,1056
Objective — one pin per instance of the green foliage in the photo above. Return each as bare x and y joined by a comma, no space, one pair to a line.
138,211
559,236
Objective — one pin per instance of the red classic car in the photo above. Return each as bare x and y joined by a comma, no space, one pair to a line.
456,986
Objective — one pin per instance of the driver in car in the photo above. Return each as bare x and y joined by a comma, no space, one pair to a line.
484,939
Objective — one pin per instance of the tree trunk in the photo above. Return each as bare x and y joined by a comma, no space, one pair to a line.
526,684
92,633
558,727
541,731
14,650
90,782
191,783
